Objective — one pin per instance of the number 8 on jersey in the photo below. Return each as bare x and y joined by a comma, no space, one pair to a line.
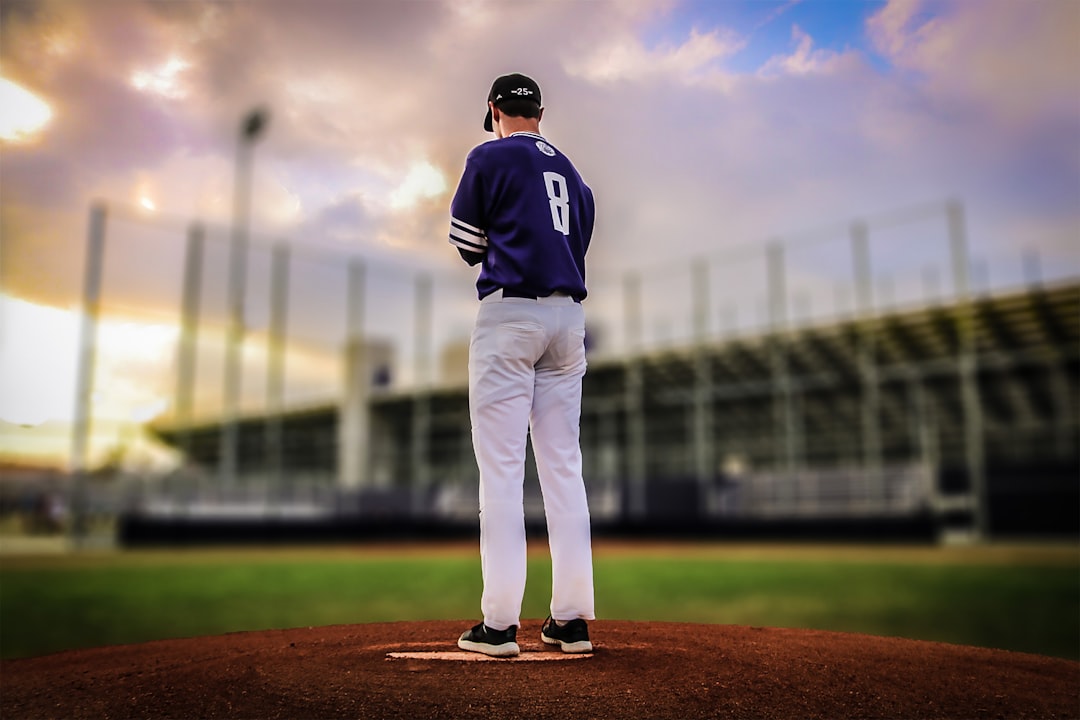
560,203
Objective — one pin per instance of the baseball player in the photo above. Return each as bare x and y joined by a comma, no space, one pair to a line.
523,213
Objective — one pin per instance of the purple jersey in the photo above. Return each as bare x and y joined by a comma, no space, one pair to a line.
523,208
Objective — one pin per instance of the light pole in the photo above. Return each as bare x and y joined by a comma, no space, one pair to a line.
251,127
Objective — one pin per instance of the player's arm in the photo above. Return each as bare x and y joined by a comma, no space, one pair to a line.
467,216
473,258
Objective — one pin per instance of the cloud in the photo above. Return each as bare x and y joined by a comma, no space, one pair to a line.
697,60
990,90
342,220
1017,60
804,60
776,13
423,181
686,155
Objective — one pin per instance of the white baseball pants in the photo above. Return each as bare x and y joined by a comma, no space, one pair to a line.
526,361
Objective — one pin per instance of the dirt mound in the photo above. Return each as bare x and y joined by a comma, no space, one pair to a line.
638,670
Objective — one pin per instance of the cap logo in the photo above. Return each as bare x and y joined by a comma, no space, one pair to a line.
522,91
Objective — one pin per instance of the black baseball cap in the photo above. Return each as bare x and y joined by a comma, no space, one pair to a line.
508,87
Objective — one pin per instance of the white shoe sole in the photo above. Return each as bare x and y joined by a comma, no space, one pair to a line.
581,646
509,649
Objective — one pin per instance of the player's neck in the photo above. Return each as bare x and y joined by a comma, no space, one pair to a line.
511,125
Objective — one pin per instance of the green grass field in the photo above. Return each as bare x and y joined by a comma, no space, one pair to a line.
1024,598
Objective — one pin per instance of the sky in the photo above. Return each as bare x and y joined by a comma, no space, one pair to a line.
703,127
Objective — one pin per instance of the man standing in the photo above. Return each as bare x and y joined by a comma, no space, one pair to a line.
524,214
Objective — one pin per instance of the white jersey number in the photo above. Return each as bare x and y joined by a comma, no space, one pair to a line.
559,201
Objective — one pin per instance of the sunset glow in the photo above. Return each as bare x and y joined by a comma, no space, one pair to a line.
422,182
703,128
22,114
37,373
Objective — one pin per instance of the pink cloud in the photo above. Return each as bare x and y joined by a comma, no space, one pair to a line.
1017,60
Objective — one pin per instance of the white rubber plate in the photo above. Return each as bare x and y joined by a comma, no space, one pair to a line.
458,655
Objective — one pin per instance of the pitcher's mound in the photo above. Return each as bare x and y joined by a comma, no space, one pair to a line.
637,670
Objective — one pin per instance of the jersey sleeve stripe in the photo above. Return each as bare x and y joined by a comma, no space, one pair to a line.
466,245
467,236
467,227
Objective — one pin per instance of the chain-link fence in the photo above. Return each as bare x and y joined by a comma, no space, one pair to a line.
258,375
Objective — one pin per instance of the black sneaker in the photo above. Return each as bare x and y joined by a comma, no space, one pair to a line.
573,637
497,643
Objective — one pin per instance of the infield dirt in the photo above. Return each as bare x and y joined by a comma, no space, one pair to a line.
638,670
